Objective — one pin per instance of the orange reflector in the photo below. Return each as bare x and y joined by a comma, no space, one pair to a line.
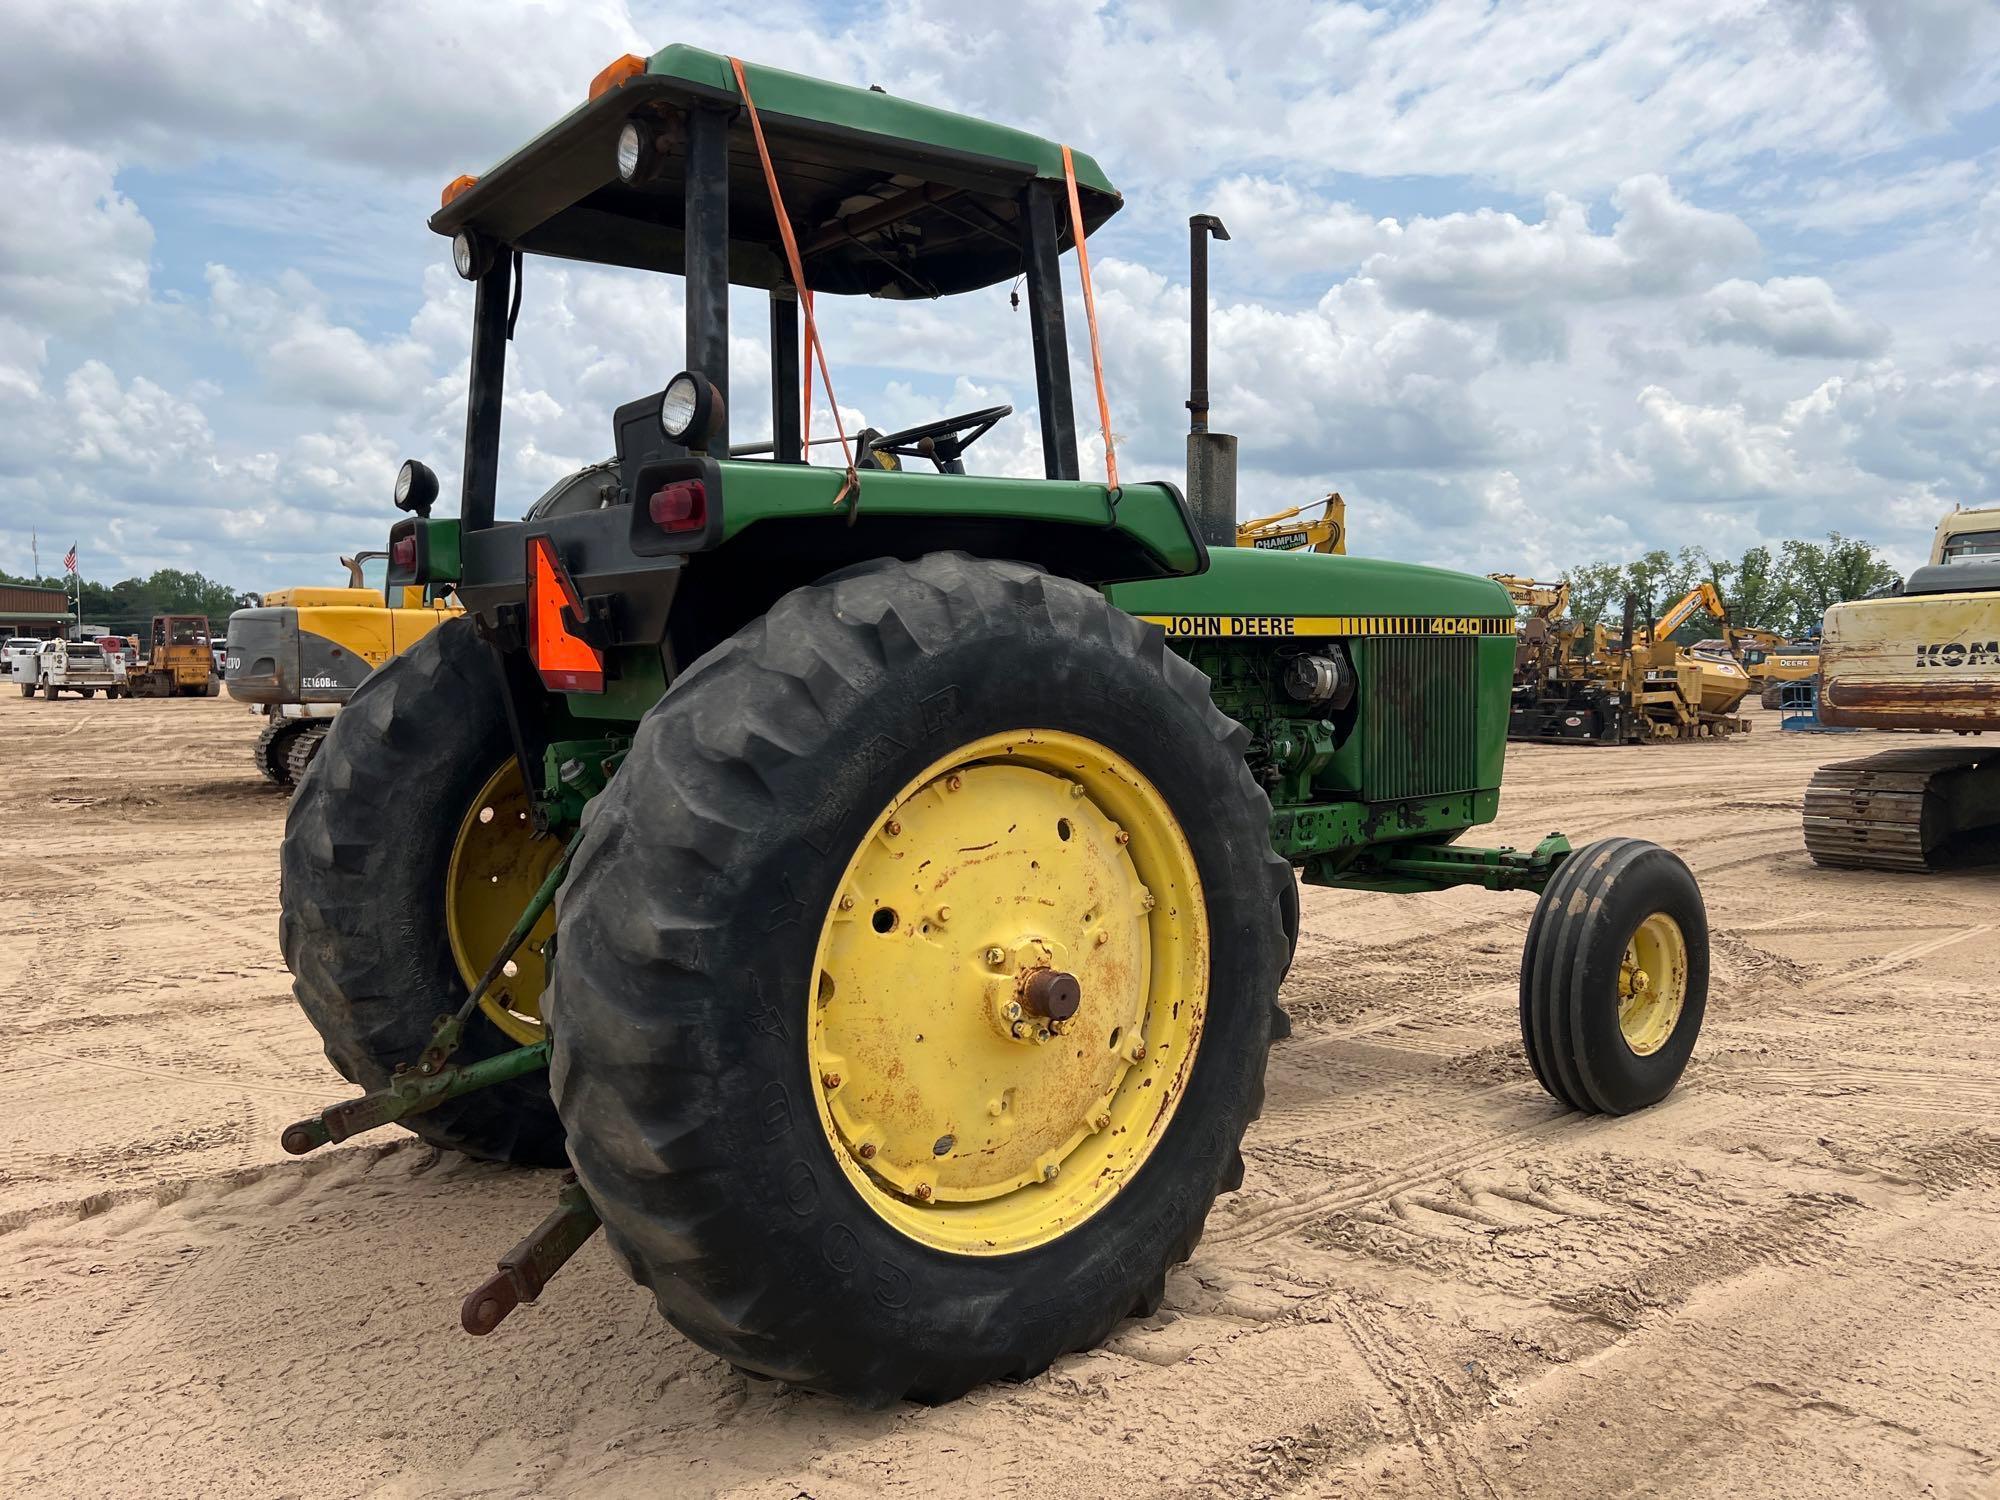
453,188
631,65
568,663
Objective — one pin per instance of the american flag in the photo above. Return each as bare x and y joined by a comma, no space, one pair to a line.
69,560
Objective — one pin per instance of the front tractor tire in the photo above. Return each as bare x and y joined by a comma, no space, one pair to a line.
917,974
403,866
1614,977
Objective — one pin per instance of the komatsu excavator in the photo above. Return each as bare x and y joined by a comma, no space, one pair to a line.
1927,657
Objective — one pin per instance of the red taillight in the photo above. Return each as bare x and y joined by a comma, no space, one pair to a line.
680,506
403,552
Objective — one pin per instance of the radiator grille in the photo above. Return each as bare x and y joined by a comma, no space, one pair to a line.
1419,719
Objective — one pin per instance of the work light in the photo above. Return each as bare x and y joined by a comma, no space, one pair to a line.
470,254
416,487
687,409
635,152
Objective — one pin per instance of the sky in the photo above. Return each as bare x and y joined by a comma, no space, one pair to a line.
1532,284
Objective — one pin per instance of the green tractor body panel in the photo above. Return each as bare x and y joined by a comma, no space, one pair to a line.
1249,582
845,155
1150,514
1432,653
794,95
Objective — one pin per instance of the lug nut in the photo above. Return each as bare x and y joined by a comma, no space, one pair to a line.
1122,836
1139,1050
830,1080
1021,1031
1076,789
1011,1010
923,1192
866,1151
944,913
1049,1172
892,828
1102,938
1102,1122
995,957
953,783
847,903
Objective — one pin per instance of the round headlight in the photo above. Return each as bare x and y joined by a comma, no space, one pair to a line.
632,151
416,487
681,405
471,254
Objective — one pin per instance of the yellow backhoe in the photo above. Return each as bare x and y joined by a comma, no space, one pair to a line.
1927,657
1297,530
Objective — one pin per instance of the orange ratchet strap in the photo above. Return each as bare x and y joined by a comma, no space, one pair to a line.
852,483
1090,311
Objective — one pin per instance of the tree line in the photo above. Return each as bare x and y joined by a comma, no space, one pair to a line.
1786,591
128,607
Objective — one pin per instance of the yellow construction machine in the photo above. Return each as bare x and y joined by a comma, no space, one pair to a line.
1295,530
296,657
1689,691
1585,683
179,661
1772,659
1927,657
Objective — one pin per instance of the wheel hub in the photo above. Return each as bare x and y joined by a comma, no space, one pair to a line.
1003,1021
1652,984
496,867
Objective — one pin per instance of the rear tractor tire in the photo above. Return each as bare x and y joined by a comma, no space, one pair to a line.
407,857
917,974
1614,977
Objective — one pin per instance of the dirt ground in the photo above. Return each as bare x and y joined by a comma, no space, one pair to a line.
1785,1281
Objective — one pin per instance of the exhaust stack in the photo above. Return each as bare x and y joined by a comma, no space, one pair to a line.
1211,456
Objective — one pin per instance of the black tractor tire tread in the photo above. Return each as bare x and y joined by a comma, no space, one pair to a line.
644,987
362,887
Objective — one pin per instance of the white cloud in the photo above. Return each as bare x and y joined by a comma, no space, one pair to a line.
305,356
73,249
1487,262
1788,315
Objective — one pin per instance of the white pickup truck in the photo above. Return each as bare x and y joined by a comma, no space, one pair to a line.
76,667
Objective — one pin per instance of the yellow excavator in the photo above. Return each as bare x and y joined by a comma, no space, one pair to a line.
297,656
1690,689
1585,683
1926,657
1297,530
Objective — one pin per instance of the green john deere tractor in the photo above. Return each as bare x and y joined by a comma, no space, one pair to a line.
875,881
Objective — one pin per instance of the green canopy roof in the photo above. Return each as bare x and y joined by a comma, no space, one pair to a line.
888,198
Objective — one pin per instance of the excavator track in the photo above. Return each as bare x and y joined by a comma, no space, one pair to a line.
303,747
1904,810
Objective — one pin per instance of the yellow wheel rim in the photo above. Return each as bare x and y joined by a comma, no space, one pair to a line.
1652,984
496,867
968,1112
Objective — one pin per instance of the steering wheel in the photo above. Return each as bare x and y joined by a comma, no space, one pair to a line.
943,442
